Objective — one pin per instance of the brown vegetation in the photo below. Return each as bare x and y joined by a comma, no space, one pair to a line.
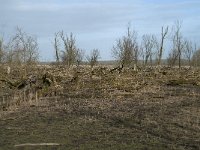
101,108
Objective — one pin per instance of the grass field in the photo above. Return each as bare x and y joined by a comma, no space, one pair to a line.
132,110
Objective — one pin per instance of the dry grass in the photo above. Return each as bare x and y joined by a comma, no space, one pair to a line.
152,109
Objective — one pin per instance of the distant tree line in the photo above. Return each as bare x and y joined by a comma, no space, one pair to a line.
22,49
128,50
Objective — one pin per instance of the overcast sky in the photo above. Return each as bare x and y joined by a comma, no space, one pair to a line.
96,23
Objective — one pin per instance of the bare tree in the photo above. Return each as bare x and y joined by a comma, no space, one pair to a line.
188,51
31,50
126,49
56,47
172,57
1,50
178,44
79,56
70,52
149,45
93,57
163,36
196,56
23,48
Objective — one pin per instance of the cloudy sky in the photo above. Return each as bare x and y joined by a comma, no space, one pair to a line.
96,23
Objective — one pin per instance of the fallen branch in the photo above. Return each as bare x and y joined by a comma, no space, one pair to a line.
36,144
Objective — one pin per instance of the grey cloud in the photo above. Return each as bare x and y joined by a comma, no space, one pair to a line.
93,21
87,17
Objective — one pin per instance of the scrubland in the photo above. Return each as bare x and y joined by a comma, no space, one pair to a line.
53,107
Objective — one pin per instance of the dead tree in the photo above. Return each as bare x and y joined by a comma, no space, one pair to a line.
118,69
56,47
126,49
149,44
79,56
93,57
1,50
196,57
178,42
71,52
23,48
188,51
163,36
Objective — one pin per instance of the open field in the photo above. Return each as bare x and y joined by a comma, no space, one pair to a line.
58,108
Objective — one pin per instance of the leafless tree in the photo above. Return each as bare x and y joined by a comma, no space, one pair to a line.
1,50
79,56
163,36
149,45
31,50
189,50
56,47
70,52
172,57
8,53
23,48
126,49
196,57
178,44
93,57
